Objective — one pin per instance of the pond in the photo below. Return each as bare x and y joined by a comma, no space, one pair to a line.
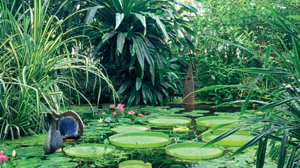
142,137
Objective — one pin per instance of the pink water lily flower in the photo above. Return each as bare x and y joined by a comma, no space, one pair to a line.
121,107
131,112
113,113
3,158
112,106
141,115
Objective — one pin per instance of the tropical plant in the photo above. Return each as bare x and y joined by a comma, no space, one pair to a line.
281,121
135,40
37,67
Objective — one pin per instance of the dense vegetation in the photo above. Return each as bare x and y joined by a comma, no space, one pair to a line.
55,53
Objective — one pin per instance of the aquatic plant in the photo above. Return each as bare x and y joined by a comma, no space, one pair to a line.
89,150
138,140
193,151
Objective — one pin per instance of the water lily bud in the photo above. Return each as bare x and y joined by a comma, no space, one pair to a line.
141,115
13,154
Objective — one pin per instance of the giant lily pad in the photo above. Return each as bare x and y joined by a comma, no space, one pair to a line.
164,122
213,121
140,139
130,128
239,138
193,151
88,150
134,164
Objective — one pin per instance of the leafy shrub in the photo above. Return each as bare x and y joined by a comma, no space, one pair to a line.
135,42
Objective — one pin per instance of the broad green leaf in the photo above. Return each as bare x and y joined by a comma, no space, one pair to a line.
138,83
190,43
160,25
90,14
190,31
121,41
144,93
123,87
149,58
107,36
119,19
186,6
143,21
140,52
131,97
137,98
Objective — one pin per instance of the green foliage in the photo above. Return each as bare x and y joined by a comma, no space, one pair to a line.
281,106
135,40
231,34
36,67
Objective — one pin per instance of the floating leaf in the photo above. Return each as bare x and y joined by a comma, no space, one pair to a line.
193,151
169,121
88,150
140,139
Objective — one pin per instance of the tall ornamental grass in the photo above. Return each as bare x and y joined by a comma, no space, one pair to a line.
37,65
